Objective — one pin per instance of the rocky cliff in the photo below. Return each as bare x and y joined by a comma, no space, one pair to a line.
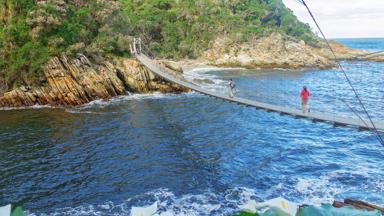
78,81
277,51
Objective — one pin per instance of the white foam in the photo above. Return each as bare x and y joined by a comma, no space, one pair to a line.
317,190
309,190
36,106
101,103
210,69
215,83
167,203
324,189
79,111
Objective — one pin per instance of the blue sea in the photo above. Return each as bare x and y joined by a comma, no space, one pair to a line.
195,155
369,44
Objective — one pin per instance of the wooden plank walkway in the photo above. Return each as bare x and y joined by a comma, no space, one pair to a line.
314,116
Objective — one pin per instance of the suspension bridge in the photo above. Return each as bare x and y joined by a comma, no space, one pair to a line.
161,71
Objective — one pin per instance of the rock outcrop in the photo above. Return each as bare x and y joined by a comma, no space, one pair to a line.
345,53
276,51
78,81
265,52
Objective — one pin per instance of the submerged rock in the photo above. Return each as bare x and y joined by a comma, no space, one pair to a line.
357,204
175,66
78,81
207,81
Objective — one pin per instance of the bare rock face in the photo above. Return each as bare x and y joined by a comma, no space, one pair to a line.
78,81
276,51
345,53
266,52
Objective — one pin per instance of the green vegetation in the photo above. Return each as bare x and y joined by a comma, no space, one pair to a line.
178,28
246,214
31,33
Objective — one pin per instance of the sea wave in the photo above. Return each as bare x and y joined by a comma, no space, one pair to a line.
331,186
36,106
102,103
313,191
204,78
168,203
199,76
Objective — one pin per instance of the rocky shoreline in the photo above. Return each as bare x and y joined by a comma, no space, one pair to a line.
282,207
76,81
278,51
79,81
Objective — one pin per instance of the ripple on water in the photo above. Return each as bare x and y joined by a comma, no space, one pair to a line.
192,154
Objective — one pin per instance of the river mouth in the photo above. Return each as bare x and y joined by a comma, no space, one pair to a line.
192,154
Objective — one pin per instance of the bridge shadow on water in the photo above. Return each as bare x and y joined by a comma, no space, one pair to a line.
180,149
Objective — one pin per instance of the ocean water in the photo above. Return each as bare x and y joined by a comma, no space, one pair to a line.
370,44
195,155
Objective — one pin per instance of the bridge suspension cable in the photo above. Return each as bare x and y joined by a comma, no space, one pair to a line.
161,71
343,71
138,52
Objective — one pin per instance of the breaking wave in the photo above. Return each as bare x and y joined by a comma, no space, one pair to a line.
168,203
101,103
313,191
37,106
205,78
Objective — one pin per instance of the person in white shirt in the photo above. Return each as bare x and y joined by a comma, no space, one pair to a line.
231,86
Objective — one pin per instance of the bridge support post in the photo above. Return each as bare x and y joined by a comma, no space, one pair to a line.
139,42
135,45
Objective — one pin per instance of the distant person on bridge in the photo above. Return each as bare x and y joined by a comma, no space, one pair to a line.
304,94
231,86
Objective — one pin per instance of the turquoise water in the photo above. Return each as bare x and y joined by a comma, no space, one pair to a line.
192,154
370,44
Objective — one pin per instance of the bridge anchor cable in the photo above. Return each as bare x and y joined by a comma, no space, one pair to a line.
344,72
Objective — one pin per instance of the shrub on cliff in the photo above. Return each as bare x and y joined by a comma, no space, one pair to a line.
184,28
31,31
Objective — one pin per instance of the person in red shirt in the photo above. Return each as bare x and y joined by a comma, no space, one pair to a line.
304,94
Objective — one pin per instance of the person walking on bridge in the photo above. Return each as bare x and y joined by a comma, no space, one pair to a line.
231,86
304,94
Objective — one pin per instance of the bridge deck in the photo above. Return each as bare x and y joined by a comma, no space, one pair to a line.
315,116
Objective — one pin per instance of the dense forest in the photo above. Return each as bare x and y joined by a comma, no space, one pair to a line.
32,31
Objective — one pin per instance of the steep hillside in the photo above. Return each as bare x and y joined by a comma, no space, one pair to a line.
34,31
175,28
43,41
